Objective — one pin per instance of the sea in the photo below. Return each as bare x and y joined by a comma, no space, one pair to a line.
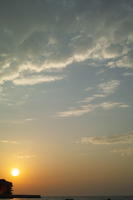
87,198
81,198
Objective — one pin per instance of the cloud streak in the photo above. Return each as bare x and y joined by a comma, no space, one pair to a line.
27,156
123,151
9,142
89,105
32,80
108,140
77,111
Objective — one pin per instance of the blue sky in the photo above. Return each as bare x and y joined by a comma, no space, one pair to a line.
66,80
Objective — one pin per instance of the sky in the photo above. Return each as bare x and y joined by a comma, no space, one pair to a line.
66,96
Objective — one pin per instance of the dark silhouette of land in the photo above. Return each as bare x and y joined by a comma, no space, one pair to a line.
6,189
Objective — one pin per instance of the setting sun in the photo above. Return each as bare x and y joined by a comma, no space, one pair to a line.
15,172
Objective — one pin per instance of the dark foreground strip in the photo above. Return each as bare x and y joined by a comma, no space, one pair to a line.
19,196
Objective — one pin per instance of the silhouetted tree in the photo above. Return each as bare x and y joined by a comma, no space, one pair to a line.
5,187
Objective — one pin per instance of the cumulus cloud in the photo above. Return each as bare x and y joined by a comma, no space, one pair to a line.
108,140
37,36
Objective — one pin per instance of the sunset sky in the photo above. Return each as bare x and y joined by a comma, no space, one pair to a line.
66,96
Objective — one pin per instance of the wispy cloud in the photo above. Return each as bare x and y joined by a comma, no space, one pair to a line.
128,74
105,89
1,89
3,95
18,121
26,156
88,89
88,104
77,111
108,140
9,142
110,105
109,87
123,151
32,80
89,99
84,109
30,119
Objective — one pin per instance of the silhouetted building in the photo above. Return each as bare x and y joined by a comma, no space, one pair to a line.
5,187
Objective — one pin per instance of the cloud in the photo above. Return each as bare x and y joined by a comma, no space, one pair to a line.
109,87
110,105
77,111
1,90
89,104
126,61
84,109
123,151
91,98
108,140
29,119
113,51
128,74
9,142
105,89
17,122
32,80
49,35
2,94
88,89
28,156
